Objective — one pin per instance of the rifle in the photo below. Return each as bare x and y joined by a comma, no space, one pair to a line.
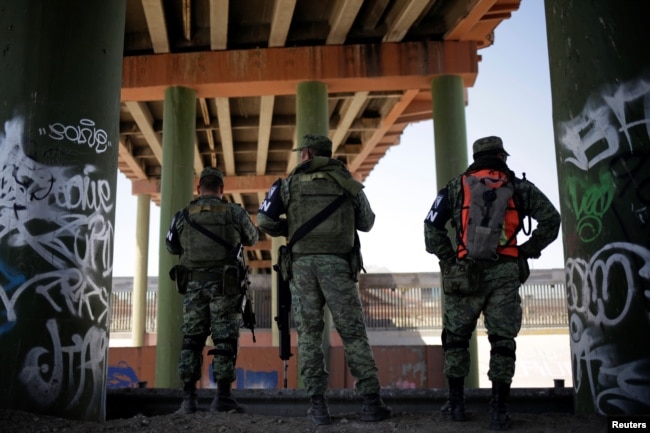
248,312
283,310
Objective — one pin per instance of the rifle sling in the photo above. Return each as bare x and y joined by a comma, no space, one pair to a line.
207,232
315,220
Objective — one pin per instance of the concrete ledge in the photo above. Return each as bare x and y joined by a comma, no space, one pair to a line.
128,402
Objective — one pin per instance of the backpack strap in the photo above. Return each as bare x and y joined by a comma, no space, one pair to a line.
519,204
316,220
207,232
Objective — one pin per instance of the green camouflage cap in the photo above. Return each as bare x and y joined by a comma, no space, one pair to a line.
488,145
318,142
211,171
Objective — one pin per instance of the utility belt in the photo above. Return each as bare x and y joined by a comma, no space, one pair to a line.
463,277
296,256
229,277
521,262
482,264
202,276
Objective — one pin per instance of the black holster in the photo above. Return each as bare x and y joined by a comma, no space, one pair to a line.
524,269
180,275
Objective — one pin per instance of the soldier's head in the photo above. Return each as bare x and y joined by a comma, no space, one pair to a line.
489,147
314,145
211,182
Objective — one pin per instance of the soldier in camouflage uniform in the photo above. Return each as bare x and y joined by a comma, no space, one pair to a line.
324,270
211,301
497,282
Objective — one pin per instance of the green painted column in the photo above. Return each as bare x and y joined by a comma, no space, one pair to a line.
312,109
312,117
177,189
600,83
140,276
450,137
60,80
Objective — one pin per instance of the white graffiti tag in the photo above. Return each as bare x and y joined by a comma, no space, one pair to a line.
56,235
612,289
84,133
596,133
46,370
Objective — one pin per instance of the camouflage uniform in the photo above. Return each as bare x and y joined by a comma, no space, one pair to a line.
209,308
498,298
322,270
499,280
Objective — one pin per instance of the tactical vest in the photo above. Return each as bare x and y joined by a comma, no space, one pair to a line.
199,251
489,220
309,194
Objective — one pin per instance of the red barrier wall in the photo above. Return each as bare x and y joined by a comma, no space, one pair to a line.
259,366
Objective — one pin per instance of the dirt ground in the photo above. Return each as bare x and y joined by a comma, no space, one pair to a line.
18,422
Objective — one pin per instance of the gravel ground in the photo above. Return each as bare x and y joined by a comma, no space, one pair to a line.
19,421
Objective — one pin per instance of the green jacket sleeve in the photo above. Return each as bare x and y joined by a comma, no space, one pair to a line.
247,230
363,215
548,220
437,242
272,227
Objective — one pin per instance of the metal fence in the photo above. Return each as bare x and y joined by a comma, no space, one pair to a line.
122,310
391,302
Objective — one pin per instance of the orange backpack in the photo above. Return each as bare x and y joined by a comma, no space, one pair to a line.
489,218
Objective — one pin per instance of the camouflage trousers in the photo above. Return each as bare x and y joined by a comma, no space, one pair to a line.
499,301
321,280
208,312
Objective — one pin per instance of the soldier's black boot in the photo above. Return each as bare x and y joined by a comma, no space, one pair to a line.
189,398
318,412
499,417
454,407
223,401
374,408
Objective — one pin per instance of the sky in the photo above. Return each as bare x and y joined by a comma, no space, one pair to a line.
511,98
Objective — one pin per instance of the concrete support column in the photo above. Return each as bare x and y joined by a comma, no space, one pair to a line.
600,75
140,275
450,141
176,190
60,80
312,109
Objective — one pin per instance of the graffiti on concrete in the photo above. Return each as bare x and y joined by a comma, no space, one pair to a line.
590,202
83,133
255,379
602,295
605,152
56,235
604,127
122,375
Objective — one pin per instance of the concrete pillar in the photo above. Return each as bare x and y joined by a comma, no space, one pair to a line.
177,189
312,109
312,117
600,83
140,275
450,141
60,79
